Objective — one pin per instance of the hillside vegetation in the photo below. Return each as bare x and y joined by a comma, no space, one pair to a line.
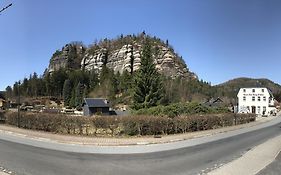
231,87
113,69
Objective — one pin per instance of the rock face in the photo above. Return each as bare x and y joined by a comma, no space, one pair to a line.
120,55
69,57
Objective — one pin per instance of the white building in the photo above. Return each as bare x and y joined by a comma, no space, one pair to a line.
256,100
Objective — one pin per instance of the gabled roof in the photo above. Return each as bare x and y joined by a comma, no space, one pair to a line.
96,102
213,101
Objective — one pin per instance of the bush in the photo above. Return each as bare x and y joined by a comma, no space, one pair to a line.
2,116
127,125
177,109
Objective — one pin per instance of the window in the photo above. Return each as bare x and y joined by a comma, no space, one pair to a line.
259,98
259,109
253,98
244,90
264,98
262,90
244,98
253,90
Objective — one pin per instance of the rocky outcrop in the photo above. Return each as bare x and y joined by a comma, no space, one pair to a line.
123,54
69,57
128,58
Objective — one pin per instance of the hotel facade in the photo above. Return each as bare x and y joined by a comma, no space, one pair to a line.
259,101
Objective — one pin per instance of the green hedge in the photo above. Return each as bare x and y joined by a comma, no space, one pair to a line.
122,126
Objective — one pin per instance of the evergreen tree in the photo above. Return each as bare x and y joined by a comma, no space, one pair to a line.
67,92
9,92
93,80
57,81
132,58
114,84
125,82
73,98
148,89
79,95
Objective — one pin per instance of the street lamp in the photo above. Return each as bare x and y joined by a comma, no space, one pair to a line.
18,104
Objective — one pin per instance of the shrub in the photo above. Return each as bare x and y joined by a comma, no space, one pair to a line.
2,116
177,109
126,125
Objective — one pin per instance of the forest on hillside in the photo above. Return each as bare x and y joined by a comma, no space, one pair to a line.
146,86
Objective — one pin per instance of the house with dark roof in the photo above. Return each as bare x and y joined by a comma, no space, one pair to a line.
92,106
214,102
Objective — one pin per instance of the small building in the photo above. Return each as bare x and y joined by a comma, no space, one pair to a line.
256,100
92,106
214,102
2,102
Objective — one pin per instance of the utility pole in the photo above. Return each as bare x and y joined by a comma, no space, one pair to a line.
5,8
18,104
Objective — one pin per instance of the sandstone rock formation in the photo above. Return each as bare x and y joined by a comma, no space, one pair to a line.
69,57
120,55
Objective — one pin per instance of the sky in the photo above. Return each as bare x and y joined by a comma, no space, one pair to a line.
218,39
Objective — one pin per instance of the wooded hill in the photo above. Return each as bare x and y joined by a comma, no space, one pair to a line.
230,88
109,69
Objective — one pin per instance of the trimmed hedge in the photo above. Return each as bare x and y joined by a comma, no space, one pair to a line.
122,126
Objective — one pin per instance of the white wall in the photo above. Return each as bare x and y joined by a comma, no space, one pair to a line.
246,106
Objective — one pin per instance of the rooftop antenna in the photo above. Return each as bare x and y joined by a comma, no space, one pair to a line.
5,8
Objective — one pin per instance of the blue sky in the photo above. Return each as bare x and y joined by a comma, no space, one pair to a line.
218,39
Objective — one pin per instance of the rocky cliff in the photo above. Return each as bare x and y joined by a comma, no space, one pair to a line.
121,54
69,57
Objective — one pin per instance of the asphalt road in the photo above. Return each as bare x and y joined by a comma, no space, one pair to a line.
274,168
24,159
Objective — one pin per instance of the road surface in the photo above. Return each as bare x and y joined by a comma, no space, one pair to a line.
25,159
274,168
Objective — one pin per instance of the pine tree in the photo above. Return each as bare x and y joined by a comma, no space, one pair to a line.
67,92
73,98
126,81
93,80
79,95
9,92
148,89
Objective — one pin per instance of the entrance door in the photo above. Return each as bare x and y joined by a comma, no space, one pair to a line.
253,109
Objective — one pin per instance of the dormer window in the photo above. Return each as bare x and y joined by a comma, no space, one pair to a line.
262,90
244,90
253,90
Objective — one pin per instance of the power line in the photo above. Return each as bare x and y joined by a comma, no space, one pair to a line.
5,8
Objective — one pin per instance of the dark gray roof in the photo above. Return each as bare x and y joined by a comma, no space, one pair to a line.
96,102
214,100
